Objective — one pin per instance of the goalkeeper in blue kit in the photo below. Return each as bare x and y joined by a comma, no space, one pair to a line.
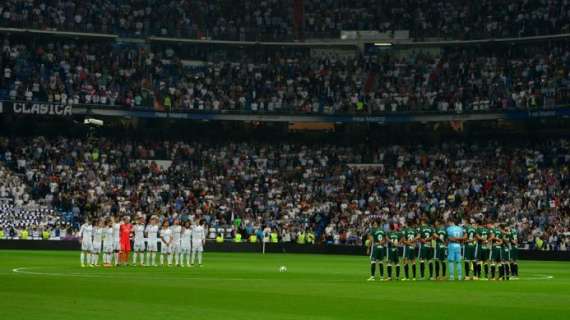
454,238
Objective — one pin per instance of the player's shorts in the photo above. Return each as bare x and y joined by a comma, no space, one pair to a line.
496,253
393,256
410,253
197,247
484,254
165,249
138,246
185,248
506,254
469,252
126,245
152,246
175,246
454,252
96,247
378,254
86,246
108,247
117,245
514,253
440,253
426,253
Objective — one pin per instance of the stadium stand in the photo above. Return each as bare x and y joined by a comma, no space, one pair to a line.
240,187
295,19
455,79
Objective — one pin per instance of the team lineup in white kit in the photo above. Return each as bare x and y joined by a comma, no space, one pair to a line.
107,242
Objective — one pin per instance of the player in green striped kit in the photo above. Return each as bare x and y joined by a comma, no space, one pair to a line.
440,251
506,253
514,253
409,238
484,251
470,250
393,256
496,251
426,250
377,250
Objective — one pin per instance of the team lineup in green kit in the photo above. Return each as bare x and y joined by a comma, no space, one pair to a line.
488,251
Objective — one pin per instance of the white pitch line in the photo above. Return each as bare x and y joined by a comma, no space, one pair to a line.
25,270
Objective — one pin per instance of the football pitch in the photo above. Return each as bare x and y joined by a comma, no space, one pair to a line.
51,285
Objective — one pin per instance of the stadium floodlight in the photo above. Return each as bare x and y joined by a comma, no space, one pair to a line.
382,44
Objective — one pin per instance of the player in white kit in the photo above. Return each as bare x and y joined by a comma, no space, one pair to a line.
165,244
138,246
198,241
108,243
86,235
152,239
97,239
186,243
116,238
175,246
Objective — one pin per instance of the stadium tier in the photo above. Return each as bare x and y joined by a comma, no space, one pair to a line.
317,193
172,78
271,20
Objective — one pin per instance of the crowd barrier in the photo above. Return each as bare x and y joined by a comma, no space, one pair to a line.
257,247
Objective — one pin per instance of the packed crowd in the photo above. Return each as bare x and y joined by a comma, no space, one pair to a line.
300,190
453,19
287,20
17,222
454,80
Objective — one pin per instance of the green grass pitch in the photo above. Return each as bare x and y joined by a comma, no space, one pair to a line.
51,285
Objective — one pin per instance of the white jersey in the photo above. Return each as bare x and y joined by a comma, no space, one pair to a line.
165,236
138,229
97,239
97,235
176,231
86,233
108,240
186,239
198,234
116,232
152,233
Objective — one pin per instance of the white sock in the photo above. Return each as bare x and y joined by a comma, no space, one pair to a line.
82,257
135,257
169,259
116,258
176,259
187,259
161,259
96,259
200,257
153,258
142,257
193,257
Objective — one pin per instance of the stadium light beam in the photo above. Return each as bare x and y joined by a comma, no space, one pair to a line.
382,44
